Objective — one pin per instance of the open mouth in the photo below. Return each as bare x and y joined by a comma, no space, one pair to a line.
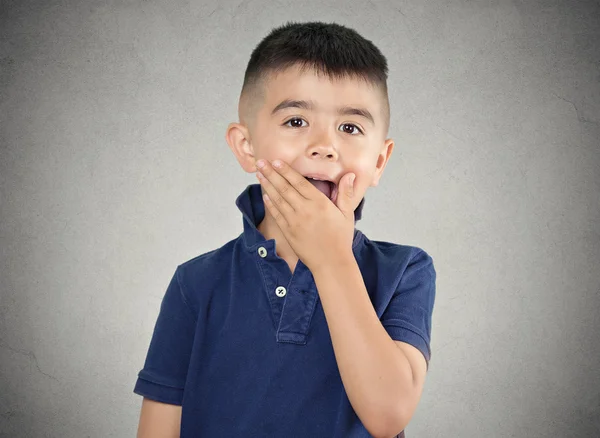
328,188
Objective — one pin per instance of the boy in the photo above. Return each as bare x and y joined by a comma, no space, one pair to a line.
301,326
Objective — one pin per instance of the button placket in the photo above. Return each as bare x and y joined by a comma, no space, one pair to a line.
298,309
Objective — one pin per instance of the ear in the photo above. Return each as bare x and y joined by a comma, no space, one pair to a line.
237,137
382,160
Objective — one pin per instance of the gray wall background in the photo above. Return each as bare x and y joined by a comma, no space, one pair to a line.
114,169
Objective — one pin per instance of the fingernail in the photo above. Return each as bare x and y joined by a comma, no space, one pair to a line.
277,163
260,163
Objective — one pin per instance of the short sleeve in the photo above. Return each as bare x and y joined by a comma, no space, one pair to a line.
165,369
408,315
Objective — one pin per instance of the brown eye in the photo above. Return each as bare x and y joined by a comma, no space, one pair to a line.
295,125
352,126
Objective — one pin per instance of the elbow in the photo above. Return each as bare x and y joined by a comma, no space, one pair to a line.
387,425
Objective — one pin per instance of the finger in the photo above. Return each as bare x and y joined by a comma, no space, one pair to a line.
279,219
296,180
282,206
285,190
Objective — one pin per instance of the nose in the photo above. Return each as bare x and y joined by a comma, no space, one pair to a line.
324,149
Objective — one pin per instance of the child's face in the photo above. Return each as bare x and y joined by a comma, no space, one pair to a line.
317,140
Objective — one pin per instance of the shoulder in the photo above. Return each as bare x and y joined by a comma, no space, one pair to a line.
395,257
198,275
208,260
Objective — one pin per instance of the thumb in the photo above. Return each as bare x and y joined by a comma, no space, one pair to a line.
346,194
350,189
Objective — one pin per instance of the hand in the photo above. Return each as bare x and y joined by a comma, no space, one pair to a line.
319,231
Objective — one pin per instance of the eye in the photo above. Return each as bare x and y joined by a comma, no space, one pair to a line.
351,124
295,118
302,120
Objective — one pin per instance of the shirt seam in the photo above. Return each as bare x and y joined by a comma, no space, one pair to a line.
150,377
266,291
183,298
412,331
412,259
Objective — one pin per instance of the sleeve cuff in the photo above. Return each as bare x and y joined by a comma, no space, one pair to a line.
410,337
160,393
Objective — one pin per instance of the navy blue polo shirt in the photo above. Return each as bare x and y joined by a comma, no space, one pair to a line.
243,345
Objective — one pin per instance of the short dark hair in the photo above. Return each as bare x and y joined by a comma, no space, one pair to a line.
331,49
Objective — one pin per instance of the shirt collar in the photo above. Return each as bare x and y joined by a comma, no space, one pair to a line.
251,204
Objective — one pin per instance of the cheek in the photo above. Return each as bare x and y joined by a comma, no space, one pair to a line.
275,151
364,173
362,169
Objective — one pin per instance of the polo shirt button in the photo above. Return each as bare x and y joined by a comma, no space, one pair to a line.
262,252
280,291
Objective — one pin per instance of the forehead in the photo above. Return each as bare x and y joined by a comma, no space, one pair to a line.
327,94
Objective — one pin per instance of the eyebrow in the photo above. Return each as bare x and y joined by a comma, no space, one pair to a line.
310,105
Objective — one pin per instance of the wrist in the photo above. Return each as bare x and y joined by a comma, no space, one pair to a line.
336,263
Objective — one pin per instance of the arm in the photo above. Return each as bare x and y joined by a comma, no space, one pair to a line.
382,377
165,369
159,420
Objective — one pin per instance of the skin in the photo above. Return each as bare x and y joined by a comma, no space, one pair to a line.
384,378
322,141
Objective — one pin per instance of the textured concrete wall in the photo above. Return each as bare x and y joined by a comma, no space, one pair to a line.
114,169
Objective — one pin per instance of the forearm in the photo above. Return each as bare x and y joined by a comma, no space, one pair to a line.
376,374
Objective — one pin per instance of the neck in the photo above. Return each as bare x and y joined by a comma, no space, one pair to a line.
269,228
